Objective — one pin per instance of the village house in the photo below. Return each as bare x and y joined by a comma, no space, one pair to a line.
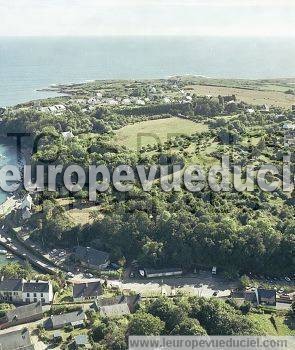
27,202
34,291
267,296
265,109
22,314
26,207
132,301
53,109
250,110
166,100
67,135
140,102
11,290
80,341
92,101
87,291
91,258
116,310
126,101
16,340
75,319
261,296
19,291
289,135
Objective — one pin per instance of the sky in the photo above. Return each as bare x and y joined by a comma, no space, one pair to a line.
147,17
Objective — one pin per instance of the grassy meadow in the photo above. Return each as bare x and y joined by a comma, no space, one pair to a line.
156,131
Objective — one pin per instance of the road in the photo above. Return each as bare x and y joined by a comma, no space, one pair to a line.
12,244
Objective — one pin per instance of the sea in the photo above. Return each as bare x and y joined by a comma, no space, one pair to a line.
28,64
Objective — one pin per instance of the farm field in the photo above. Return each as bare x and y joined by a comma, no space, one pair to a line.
155,131
257,97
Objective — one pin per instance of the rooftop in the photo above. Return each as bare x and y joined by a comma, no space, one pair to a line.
36,287
23,312
116,310
19,340
86,290
68,318
91,256
11,285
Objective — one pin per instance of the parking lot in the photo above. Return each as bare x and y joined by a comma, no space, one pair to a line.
203,284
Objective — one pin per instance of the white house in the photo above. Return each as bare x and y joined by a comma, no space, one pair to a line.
140,102
126,101
27,202
112,102
166,100
92,101
26,214
22,291
67,135
34,291
250,111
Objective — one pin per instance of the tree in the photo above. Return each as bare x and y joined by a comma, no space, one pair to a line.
145,324
189,327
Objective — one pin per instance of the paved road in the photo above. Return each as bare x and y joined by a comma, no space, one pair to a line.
11,244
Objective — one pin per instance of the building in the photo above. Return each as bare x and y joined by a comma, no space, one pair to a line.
116,310
53,109
34,291
126,101
261,296
16,340
67,135
152,273
132,302
166,100
20,291
11,290
250,111
80,341
92,258
289,135
27,202
87,291
22,314
267,296
265,109
75,319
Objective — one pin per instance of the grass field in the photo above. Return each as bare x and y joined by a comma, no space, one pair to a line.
156,131
274,98
285,325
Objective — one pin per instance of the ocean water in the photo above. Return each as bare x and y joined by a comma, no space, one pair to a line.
8,155
28,64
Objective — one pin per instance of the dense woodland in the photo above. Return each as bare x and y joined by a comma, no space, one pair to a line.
239,232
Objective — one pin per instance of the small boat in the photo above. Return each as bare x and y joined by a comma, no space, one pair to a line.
3,251
9,256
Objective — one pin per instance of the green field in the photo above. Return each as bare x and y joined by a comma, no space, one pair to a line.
156,131
285,325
